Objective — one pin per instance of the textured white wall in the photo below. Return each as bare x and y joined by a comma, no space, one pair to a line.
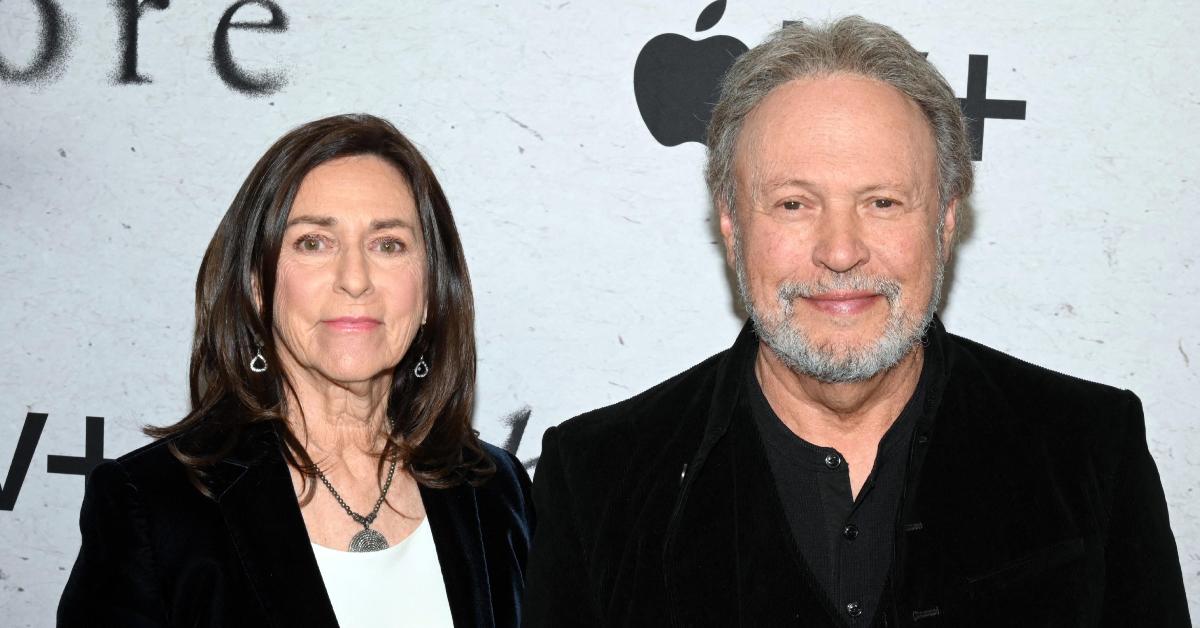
596,267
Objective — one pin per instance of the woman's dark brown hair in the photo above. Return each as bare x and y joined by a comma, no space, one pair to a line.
431,417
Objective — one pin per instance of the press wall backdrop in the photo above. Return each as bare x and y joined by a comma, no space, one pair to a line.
565,134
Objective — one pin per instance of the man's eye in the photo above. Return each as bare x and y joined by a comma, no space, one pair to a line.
792,205
884,203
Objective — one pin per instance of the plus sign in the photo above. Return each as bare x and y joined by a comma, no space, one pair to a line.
977,108
93,449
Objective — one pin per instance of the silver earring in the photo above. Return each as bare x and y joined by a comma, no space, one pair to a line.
421,369
258,363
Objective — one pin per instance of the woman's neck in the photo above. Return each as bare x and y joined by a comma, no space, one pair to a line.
339,423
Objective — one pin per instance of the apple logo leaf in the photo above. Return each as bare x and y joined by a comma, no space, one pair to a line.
710,16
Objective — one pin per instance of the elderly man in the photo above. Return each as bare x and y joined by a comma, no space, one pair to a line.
848,462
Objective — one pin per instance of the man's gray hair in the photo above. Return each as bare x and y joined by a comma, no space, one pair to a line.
849,45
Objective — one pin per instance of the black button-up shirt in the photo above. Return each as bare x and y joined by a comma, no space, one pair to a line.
846,542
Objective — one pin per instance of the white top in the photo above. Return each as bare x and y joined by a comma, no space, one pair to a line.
399,586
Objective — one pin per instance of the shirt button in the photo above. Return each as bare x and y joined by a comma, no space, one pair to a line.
850,532
833,461
853,609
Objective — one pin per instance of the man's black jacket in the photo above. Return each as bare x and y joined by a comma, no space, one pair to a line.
1035,503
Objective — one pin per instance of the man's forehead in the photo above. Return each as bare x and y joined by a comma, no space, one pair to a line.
838,122
849,90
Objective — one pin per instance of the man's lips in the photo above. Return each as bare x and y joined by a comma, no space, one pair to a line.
843,303
353,323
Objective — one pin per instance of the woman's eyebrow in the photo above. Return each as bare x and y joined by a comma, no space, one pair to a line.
320,221
391,223
329,221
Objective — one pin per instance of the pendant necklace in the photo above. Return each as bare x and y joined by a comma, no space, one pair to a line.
366,540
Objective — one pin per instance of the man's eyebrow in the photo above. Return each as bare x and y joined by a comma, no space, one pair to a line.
803,183
775,184
867,189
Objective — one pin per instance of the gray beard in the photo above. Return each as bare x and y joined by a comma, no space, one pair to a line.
827,363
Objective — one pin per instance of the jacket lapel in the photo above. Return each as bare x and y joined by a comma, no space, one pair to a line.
454,519
729,556
980,496
254,492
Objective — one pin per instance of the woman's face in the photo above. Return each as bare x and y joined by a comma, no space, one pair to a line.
350,286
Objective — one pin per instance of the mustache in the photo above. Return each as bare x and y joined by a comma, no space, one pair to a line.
887,288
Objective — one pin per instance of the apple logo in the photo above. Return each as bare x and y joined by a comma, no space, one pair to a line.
677,80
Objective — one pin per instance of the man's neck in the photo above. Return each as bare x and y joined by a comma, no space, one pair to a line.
850,417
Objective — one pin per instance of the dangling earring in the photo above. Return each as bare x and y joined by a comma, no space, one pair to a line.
422,368
258,363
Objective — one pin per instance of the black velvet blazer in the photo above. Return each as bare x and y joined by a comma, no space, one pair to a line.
156,552
1035,503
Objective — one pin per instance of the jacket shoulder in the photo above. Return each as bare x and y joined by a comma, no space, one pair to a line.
510,477
509,487
1015,374
161,479
1008,388
650,415
148,469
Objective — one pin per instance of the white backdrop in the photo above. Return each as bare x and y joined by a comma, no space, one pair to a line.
596,267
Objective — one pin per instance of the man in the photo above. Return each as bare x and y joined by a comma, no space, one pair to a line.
848,462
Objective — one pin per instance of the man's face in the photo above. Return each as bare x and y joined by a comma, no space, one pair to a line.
837,237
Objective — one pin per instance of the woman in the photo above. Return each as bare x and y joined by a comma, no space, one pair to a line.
328,471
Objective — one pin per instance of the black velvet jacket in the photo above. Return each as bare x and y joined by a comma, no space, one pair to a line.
156,552
1035,503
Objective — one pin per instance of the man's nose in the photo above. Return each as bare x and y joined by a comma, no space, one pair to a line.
839,243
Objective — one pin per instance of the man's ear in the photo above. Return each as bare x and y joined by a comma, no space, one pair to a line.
726,216
949,226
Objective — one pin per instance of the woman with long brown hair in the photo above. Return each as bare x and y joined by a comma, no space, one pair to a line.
327,472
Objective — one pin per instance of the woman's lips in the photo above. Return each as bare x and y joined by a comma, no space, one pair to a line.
353,323
843,303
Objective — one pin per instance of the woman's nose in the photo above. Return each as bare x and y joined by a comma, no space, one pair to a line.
354,273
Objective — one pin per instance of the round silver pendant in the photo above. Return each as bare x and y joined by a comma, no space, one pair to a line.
368,540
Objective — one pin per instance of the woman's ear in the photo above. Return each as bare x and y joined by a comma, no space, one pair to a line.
257,291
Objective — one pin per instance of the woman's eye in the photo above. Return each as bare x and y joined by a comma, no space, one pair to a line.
391,246
310,243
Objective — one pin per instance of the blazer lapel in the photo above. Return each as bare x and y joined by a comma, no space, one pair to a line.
983,497
988,485
454,519
256,497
